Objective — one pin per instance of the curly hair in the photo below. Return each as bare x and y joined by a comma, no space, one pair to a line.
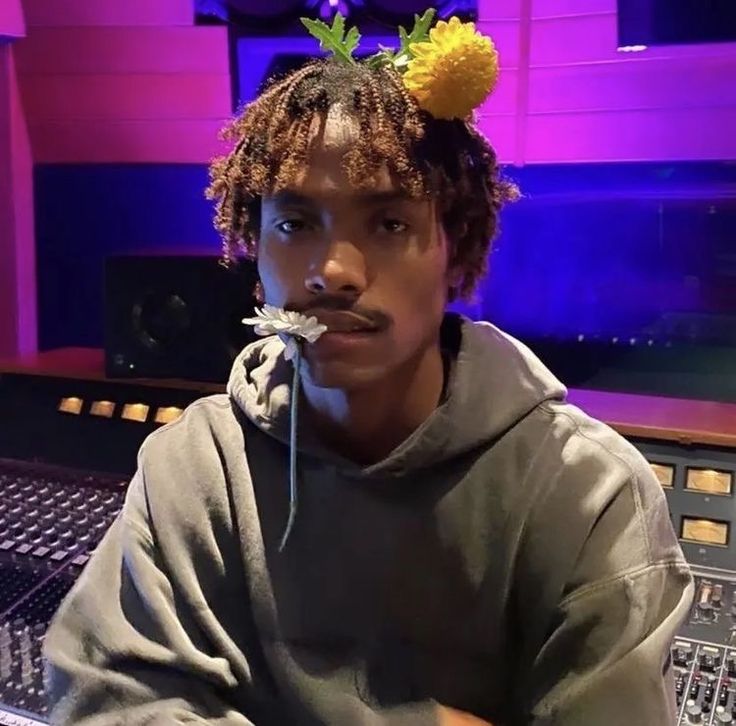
449,160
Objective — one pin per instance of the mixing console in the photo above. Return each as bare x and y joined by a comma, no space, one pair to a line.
51,520
704,657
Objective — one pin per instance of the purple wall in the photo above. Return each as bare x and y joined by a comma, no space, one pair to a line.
145,85
567,94
17,244
142,85
12,24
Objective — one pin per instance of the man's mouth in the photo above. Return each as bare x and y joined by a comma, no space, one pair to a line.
344,322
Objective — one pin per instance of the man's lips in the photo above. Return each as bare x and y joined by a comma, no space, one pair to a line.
339,321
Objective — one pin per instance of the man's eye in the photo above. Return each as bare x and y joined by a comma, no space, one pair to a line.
291,226
395,226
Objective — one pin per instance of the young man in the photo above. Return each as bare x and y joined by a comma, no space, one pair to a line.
468,547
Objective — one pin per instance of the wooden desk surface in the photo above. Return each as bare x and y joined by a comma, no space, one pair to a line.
89,364
668,419
655,417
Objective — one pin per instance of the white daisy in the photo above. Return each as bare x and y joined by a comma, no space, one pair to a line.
288,325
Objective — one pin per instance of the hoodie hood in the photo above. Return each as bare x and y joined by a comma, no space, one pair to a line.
494,382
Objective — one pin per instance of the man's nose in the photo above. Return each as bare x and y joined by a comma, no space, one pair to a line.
340,269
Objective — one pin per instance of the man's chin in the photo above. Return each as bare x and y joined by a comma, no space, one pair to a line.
341,374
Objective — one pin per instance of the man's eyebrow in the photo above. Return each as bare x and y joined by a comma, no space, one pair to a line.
289,197
384,197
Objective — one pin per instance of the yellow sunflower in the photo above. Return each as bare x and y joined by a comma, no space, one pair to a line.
454,71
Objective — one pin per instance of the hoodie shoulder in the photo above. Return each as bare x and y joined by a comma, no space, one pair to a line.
597,438
602,493
182,497
203,421
186,462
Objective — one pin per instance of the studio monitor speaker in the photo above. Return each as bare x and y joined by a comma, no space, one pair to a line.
176,316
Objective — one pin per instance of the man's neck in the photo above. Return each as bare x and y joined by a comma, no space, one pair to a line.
366,424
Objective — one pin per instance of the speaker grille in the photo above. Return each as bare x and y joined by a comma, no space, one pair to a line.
176,317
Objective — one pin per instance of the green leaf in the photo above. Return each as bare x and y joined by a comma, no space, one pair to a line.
319,30
351,40
338,26
403,36
333,39
421,25
419,33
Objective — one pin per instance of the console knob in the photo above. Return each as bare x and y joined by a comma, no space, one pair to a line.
693,712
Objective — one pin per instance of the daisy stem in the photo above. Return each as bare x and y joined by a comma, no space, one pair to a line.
292,444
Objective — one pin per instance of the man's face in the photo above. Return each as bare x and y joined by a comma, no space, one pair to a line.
371,264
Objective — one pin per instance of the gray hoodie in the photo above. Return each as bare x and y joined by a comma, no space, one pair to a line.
513,558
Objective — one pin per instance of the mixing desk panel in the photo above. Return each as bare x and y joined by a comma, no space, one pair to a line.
704,656
51,520
69,438
700,486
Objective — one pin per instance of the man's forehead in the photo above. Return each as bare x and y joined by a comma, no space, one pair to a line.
334,131
323,178
304,196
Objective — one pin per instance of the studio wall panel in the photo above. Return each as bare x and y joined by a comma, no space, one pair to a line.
127,96
564,8
593,38
678,135
675,83
104,141
12,21
124,50
504,98
59,13
505,34
499,9
502,131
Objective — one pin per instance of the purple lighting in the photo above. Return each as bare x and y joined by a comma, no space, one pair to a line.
328,9
12,24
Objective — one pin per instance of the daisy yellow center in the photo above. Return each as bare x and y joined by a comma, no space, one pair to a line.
454,71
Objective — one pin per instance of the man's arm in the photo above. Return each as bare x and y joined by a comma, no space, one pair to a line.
606,663
127,648
595,644
607,660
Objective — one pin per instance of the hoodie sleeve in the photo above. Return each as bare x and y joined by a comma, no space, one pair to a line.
597,637
127,648
607,660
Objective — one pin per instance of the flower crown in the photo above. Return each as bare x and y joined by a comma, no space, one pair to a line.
449,69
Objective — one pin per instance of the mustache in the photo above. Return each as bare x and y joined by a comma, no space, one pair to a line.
376,318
